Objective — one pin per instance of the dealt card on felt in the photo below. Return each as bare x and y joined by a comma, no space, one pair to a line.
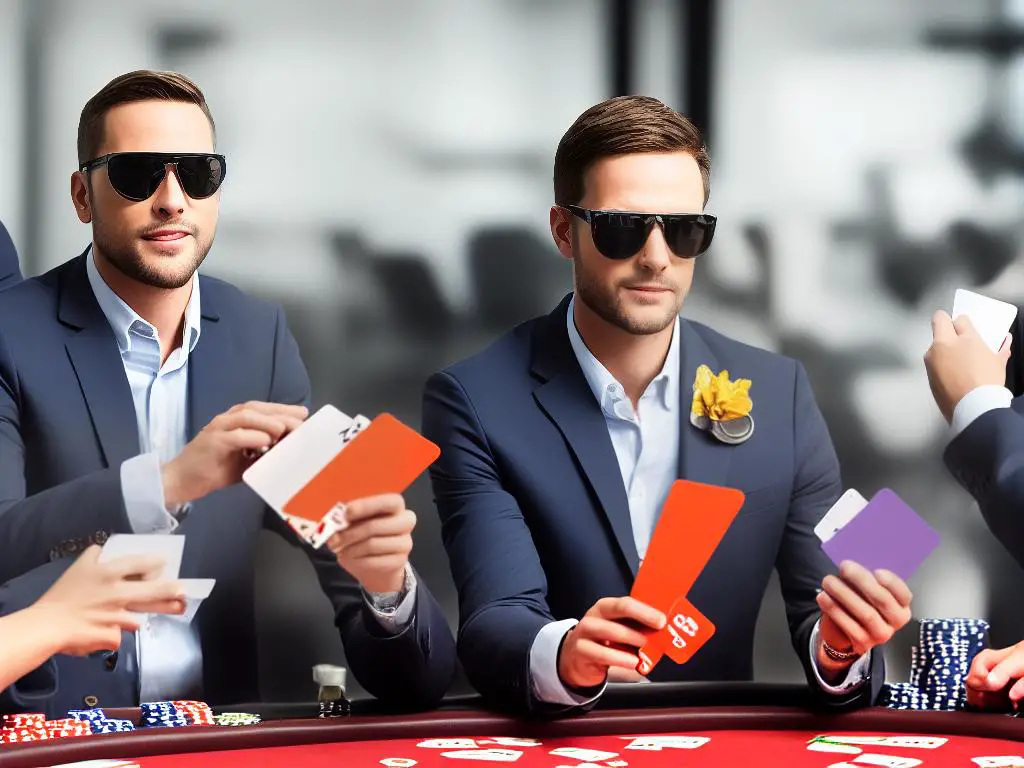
990,317
885,534
693,521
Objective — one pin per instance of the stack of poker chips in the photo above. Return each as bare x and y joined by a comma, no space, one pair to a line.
196,712
175,714
98,722
35,727
237,718
939,666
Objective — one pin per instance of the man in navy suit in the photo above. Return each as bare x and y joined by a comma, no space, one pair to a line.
10,272
132,395
560,442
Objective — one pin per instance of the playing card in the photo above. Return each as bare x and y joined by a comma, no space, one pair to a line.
168,547
386,457
333,522
684,634
196,590
886,534
693,521
842,512
291,464
990,317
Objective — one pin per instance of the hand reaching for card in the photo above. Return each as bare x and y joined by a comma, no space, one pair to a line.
374,547
959,361
606,638
87,608
859,610
996,679
216,458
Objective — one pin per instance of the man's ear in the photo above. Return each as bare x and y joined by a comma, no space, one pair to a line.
81,197
561,230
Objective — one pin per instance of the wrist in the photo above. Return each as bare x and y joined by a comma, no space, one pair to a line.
582,685
832,660
49,623
174,494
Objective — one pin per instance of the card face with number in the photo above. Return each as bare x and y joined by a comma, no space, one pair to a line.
166,546
842,512
990,317
291,464
886,534
693,521
386,457
687,630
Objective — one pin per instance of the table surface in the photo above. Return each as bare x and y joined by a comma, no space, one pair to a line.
767,719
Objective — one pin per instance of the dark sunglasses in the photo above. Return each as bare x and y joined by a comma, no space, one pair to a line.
137,175
621,234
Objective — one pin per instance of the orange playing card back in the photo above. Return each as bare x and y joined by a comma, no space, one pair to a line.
386,457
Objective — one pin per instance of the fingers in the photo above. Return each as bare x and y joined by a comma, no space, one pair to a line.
140,592
846,624
942,327
299,412
872,627
274,425
617,608
607,631
863,591
1017,693
605,656
1009,668
400,524
896,586
983,664
378,546
138,566
173,607
374,506
964,326
248,439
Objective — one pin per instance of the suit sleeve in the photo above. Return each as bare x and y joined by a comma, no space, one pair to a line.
802,564
412,669
30,527
987,459
501,583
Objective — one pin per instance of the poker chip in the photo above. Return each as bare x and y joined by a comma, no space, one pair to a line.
237,718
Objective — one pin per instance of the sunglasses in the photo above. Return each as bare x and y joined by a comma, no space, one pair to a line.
137,175
621,234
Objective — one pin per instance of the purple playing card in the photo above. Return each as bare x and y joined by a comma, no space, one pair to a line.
886,534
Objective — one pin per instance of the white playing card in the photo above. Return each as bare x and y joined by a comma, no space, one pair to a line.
842,512
494,755
583,755
287,467
990,317
658,743
448,744
1004,761
830,746
333,522
196,590
915,742
887,761
168,547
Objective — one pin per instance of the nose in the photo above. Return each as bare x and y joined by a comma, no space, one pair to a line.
655,256
169,199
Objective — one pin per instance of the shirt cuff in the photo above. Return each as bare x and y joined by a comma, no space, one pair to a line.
142,487
547,686
977,403
394,610
855,675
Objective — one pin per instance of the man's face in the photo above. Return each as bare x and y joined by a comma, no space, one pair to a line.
641,295
161,241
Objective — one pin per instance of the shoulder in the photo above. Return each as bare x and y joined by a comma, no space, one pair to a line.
34,298
231,303
748,358
507,357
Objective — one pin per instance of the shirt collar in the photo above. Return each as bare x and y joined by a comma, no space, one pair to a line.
605,387
124,320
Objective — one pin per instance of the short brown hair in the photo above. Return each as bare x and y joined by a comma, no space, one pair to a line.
624,125
142,85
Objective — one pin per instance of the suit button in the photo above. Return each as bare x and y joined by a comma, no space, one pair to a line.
90,701
110,661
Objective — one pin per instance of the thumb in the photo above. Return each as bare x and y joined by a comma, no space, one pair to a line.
964,326
942,327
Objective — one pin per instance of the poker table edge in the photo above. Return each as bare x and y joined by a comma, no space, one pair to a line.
283,733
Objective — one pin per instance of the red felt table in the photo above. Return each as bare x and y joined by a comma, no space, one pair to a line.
738,735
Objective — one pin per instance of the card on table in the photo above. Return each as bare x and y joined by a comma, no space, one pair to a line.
693,521
990,317
885,534
167,546
842,512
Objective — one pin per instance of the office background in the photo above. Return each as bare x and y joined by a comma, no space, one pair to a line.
390,175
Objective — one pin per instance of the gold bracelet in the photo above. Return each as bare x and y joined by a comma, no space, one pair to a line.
837,655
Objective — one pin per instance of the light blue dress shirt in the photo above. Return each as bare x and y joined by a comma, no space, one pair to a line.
170,655
646,443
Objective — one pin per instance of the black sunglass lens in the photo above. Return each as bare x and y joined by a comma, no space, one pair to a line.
619,235
200,176
688,237
135,176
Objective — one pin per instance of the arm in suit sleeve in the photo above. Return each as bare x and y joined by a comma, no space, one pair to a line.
801,563
501,583
31,526
987,459
413,667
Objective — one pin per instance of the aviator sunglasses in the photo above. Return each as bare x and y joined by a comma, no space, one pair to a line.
621,234
137,175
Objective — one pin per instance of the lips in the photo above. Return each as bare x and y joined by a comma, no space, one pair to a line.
166,235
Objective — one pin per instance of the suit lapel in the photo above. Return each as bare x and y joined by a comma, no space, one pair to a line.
702,458
569,402
210,368
97,362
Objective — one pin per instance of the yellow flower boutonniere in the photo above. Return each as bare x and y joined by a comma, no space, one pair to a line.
722,407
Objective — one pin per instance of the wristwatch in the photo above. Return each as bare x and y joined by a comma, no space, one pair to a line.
386,603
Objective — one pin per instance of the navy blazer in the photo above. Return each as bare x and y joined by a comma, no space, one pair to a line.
536,520
987,459
10,272
67,422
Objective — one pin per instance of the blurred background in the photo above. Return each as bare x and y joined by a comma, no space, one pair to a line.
391,176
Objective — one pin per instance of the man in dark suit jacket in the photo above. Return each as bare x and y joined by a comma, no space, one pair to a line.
560,442
132,393
10,272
